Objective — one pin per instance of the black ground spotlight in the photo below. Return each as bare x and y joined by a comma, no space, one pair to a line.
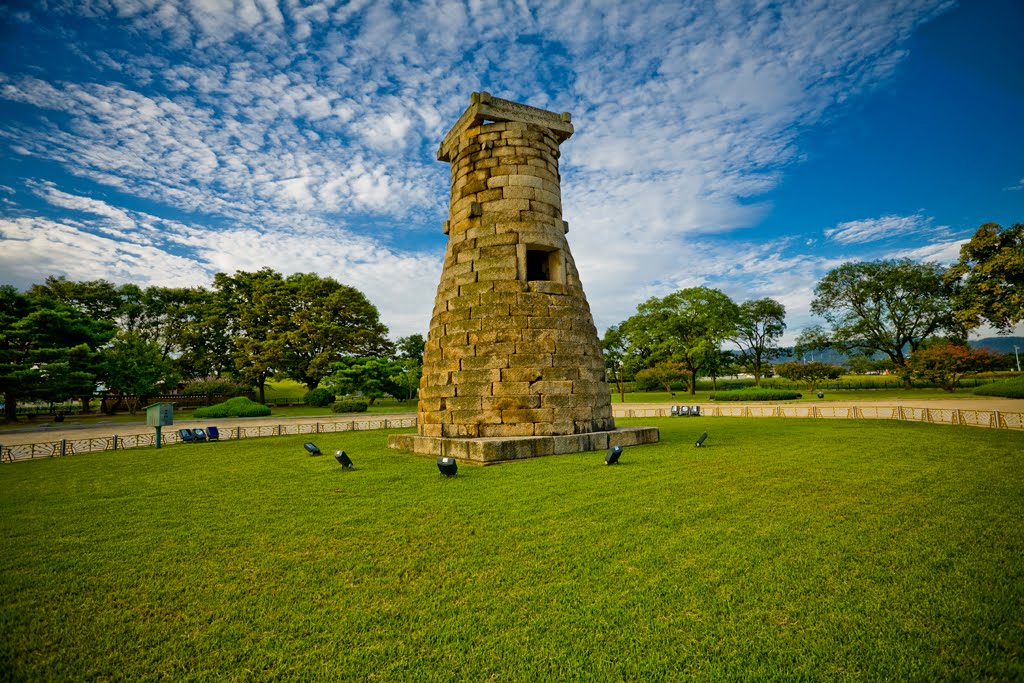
613,455
311,447
821,394
343,459
447,466
700,441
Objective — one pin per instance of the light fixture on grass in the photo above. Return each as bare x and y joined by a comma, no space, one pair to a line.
311,447
343,459
700,441
447,466
613,455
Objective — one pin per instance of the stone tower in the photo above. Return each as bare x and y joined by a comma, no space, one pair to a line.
512,350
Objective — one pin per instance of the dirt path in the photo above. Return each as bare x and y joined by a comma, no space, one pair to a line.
56,432
65,430
1009,405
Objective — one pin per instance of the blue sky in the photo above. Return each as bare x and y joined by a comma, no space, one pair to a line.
748,146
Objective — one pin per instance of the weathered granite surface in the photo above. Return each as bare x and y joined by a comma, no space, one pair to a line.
512,349
486,451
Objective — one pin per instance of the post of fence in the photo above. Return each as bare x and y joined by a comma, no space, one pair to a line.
279,429
956,416
995,415
317,427
115,442
385,423
899,412
63,447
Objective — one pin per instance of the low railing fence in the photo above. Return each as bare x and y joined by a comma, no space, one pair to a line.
995,419
955,416
169,435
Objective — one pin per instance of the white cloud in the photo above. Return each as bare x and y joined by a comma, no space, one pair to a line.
886,227
286,126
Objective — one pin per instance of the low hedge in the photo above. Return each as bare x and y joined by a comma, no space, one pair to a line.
755,395
1010,388
350,405
239,406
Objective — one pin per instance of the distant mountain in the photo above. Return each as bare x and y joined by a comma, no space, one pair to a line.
999,344
993,344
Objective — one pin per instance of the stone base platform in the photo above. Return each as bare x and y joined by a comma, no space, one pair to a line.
487,451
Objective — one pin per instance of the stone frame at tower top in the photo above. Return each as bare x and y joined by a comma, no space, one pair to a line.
485,108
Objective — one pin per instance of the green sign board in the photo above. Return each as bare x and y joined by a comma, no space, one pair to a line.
160,415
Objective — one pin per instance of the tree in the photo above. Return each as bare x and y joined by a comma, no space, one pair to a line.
810,373
811,340
759,326
136,368
409,364
372,377
615,348
411,347
328,321
687,326
886,306
47,349
946,364
408,372
255,313
98,299
664,373
717,364
990,278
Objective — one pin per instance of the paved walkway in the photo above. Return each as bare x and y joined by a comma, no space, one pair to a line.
96,430
70,430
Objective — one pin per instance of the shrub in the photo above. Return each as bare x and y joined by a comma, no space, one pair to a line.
754,394
350,405
1011,388
944,364
240,406
318,398
219,386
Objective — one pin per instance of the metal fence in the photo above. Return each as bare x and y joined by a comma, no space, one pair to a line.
953,416
49,449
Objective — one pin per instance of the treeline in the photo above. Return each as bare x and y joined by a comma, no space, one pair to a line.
909,318
60,339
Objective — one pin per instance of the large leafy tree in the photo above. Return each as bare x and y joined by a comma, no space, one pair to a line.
136,368
182,321
188,326
254,309
888,306
99,299
759,326
372,377
990,275
328,321
687,326
48,351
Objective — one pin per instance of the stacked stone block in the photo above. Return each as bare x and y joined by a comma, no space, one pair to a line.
512,350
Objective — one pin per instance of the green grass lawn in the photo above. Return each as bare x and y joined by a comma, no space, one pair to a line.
784,549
